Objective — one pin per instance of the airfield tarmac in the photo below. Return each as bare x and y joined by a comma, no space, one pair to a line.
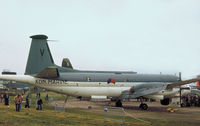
187,116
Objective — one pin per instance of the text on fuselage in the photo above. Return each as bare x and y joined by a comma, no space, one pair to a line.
50,82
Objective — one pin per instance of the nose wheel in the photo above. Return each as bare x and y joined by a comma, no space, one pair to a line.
143,106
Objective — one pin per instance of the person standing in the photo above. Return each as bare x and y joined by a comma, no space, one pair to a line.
39,104
7,100
27,102
1,97
4,97
17,102
20,101
47,98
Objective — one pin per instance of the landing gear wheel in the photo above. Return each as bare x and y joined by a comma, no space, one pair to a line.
183,105
143,106
118,103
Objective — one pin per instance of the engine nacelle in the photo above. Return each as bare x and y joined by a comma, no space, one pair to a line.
165,101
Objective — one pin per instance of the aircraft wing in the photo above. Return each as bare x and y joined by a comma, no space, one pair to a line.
49,72
151,88
143,90
175,84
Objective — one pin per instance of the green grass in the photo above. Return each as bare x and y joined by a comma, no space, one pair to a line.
72,117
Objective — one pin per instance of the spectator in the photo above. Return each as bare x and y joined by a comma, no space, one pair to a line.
39,104
1,97
196,100
18,101
6,99
47,98
27,102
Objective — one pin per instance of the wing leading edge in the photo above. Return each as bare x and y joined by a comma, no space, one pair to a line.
179,83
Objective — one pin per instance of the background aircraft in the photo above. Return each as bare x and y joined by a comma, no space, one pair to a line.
42,72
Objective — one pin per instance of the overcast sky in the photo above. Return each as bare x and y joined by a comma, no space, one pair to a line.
130,35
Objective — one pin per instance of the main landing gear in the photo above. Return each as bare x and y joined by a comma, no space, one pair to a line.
66,98
143,106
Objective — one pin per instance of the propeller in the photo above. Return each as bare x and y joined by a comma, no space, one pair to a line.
52,40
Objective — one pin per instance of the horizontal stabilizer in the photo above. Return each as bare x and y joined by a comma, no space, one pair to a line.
49,72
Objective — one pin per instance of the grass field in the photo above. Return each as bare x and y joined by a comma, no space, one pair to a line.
72,117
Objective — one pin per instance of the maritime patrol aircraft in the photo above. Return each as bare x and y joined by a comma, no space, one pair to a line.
41,71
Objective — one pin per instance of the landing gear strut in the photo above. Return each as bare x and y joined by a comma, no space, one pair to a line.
143,106
66,99
118,103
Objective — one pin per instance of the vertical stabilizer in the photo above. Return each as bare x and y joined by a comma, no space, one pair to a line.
39,55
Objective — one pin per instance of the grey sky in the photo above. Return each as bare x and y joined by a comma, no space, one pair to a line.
135,35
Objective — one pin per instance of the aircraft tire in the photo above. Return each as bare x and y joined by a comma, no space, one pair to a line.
143,106
183,105
118,103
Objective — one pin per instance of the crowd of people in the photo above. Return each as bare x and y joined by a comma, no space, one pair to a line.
18,99
190,100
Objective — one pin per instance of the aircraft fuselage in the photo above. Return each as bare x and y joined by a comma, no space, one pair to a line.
118,77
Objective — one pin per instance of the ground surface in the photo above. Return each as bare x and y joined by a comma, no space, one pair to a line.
78,114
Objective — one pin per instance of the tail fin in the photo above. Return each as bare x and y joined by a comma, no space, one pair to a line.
39,55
